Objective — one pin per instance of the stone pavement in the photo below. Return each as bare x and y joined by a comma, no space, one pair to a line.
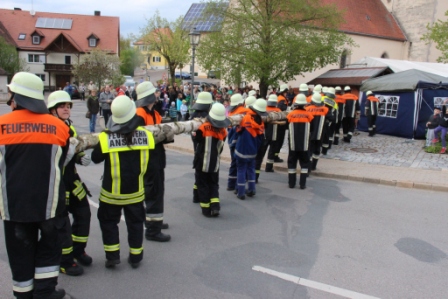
395,162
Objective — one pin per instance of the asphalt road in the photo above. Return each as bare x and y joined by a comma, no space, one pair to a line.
378,241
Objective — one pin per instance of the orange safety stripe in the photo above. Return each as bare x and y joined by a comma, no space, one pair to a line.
272,109
23,126
148,117
317,110
308,99
281,98
300,116
340,99
209,131
251,125
349,96
239,110
372,99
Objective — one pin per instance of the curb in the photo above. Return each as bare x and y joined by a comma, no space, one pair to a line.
322,174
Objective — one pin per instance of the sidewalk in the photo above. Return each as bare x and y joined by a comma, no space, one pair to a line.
396,162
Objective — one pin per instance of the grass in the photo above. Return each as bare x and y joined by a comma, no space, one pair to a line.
435,148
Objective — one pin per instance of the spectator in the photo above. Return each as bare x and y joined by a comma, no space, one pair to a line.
93,106
68,88
442,128
173,111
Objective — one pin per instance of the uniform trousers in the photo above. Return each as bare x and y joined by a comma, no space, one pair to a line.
314,152
304,160
281,132
348,127
231,181
271,144
109,217
246,171
76,234
208,190
154,194
371,121
34,252
195,186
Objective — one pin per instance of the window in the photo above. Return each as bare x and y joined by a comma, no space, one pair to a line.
92,42
149,59
388,106
36,58
22,36
343,61
68,60
156,59
440,101
41,76
36,39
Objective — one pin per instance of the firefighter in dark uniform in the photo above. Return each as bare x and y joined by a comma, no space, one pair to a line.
34,146
201,108
210,138
329,128
319,112
125,148
351,110
303,89
371,111
77,233
269,141
341,111
282,104
299,126
236,108
155,176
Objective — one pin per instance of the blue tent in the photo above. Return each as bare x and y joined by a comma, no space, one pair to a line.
407,100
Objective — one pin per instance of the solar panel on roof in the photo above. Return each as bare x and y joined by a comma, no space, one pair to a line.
195,17
53,23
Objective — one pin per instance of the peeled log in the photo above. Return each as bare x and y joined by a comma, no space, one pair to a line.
88,141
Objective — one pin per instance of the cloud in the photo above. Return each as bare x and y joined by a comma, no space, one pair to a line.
133,14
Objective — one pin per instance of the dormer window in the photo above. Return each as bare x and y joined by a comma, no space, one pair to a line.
36,37
36,40
93,40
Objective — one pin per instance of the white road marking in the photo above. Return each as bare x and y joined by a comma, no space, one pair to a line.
313,284
92,203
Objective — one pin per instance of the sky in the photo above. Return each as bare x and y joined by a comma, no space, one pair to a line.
133,14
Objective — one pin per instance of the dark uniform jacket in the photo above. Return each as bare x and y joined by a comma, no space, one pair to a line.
299,125
233,136
371,107
72,181
33,148
351,105
271,130
282,103
124,166
210,144
319,112
332,115
341,107
250,136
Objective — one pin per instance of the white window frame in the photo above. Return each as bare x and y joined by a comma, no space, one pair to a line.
388,106
156,59
92,42
36,39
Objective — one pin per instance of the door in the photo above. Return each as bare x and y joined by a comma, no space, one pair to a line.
61,80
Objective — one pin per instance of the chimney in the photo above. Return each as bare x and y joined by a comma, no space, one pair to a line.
97,13
17,8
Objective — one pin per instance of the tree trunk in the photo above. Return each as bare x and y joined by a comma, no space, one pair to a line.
263,88
88,141
172,73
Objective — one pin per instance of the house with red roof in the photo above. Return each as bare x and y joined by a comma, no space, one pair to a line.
51,43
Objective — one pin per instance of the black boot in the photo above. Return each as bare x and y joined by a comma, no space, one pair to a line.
292,178
84,259
269,167
314,164
160,237
72,270
257,175
278,160
324,151
329,144
195,195
374,130
57,294
336,141
303,180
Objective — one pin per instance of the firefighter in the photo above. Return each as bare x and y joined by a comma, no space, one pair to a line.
319,111
351,111
316,89
75,242
269,140
236,108
125,149
250,138
299,126
155,175
371,111
330,119
282,104
340,100
34,148
303,89
210,138
249,101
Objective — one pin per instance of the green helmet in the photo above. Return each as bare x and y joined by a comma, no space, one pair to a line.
58,97
28,92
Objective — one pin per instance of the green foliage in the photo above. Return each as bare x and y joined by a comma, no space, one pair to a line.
177,80
167,38
272,40
130,59
98,66
438,33
9,58
435,148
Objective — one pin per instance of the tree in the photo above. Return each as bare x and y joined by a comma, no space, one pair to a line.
9,58
438,33
271,40
130,57
99,66
169,39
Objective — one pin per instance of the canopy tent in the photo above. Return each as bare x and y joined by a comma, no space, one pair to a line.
407,99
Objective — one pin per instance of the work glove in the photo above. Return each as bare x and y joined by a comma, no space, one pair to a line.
169,133
71,150
84,159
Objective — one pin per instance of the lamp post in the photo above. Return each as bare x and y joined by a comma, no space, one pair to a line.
194,42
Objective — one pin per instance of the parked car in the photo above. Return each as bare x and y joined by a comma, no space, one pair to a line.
130,85
212,74
75,92
184,75
128,78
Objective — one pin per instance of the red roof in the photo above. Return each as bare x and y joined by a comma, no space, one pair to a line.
368,17
107,29
5,34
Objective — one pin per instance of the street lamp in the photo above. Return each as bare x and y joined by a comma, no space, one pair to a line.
195,36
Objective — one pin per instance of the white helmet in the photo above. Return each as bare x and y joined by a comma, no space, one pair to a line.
347,88
260,107
57,97
28,92
338,88
331,90
369,93
316,98
324,89
252,93
300,99
303,87
204,101
250,100
283,88
145,94
317,88
217,116
272,100
236,99
123,109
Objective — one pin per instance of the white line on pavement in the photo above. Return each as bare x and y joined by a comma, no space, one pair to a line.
313,284
92,203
